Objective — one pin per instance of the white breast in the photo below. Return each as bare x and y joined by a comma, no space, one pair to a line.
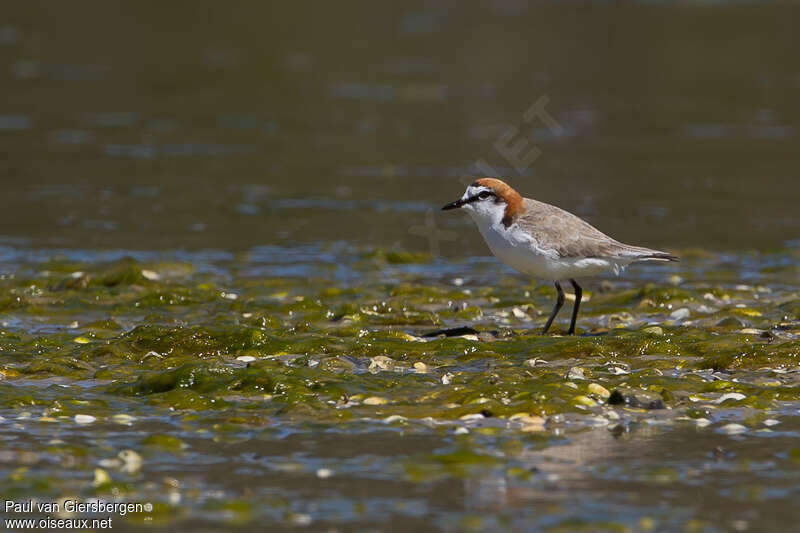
517,249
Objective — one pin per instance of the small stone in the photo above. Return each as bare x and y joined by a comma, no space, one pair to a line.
131,461
149,274
420,367
635,398
576,373
447,378
457,282
246,358
702,422
730,322
680,314
519,313
84,419
81,340
534,362
585,400
380,362
617,371
750,331
324,473
101,477
735,396
229,295
461,430
599,390
769,422
529,422
733,429
122,418
653,330
394,418
533,428
375,400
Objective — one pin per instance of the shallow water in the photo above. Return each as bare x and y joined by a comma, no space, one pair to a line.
221,251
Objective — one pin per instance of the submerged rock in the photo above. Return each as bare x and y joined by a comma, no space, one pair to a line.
636,398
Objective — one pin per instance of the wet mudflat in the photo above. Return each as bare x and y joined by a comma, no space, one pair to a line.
228,393
221,260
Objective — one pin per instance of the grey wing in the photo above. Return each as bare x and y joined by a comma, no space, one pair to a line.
570,236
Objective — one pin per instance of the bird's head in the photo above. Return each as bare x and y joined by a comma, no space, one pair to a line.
489,200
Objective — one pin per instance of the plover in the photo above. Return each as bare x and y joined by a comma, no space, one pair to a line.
544,241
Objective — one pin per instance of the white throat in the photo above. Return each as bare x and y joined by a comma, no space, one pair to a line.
485,213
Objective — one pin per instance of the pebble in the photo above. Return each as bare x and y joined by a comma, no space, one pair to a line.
769,422
653,330
420,367
81,340
519,313
324,473
461,430
585,400
84,419
576,373
530,423
246,358
680,314
101,477
131,461
535,361
596,388
702,422
733,429
394,418
735,396
123,419
229,295
151,275
380,362
375,400
447,378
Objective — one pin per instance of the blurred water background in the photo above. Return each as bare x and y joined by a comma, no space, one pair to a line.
152,126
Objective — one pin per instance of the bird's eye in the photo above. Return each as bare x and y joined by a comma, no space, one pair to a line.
483,195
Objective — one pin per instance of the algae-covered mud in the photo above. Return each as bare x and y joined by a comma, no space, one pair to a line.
227,296
264,389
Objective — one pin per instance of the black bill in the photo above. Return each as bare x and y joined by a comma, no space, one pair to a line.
454,205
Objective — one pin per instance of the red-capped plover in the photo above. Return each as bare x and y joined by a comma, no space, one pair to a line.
545,241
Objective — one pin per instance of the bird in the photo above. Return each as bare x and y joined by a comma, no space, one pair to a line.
545,241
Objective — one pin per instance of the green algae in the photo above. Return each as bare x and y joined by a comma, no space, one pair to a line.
215,357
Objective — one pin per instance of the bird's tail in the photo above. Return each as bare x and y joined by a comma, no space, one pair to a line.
659,256
637,253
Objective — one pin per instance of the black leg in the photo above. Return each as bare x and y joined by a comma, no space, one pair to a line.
578,294
556,309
